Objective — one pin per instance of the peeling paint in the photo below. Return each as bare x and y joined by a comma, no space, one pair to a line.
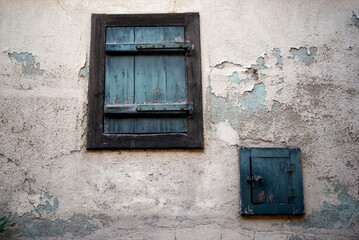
234,78
254,100
276,52
304,55
79,225
355,20
260,64
84,72
225,64
48,207
28,64
346,213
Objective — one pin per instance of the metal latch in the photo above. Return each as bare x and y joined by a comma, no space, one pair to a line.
255,178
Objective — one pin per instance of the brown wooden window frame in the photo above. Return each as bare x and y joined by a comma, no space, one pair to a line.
96,138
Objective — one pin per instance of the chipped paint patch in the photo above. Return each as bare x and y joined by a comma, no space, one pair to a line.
28,64
234,78
30,226
254,100
49,206
276,52
355,20
84,72
304,55
346,213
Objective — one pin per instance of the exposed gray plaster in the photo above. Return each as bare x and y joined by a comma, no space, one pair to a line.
28,64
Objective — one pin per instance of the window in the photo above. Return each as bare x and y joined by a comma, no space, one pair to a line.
145,82
270,181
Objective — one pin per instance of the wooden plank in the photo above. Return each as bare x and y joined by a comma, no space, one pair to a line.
159,34
150,83
119,89
244,173
194,78
120,35
176,88
167,19
119,80
176,79
270,152
96,82
276,182
151,87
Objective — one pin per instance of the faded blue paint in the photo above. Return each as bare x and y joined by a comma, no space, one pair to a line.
255,100
302,54
260,64
234,78
276,52
355,20
223,109
48,207
30,226
346,213
28,64
279,92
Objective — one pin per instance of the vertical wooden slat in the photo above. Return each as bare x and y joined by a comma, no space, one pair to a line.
119,80
119,89
275,185
160,79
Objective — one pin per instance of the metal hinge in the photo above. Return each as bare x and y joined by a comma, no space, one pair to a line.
290,167
292,193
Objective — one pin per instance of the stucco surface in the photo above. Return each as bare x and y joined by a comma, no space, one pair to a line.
275,73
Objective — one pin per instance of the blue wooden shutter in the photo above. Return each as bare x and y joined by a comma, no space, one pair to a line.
139,78
270,181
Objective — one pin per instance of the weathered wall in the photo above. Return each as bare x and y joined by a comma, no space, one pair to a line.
275,73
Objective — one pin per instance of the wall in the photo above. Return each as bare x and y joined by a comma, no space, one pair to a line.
275,73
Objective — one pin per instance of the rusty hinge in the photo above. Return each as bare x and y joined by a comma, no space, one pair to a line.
292,193
290,167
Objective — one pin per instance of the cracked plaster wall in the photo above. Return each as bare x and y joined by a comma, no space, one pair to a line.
275,74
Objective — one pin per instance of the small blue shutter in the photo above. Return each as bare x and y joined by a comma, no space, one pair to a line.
144,78
270,181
